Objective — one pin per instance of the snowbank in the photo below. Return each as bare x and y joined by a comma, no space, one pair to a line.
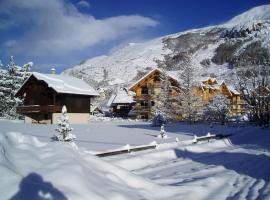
31,169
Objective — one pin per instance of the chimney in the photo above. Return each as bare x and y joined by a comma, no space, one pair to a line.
52,70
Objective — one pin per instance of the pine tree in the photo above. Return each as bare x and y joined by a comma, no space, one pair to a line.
63,127
11,80
218,109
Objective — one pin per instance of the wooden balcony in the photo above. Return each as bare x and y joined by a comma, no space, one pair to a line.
142,97
140,109
39,109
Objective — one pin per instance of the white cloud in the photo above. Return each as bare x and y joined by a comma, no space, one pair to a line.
56,27
83,3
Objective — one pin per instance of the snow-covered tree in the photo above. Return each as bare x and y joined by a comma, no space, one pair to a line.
218,109
190,104
165,93
162,131
63,127
254,84
11,80
159,118
163,108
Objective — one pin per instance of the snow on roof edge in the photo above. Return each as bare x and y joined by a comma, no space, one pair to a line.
63,85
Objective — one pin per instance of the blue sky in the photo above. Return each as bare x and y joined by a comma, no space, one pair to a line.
61,33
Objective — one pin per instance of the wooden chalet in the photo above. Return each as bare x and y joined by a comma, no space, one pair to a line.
211,87
121,103
45,94
147,91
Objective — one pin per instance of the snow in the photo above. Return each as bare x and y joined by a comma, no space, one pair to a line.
61,172
257,13
66,84
232,89
32,166
121,97
123,64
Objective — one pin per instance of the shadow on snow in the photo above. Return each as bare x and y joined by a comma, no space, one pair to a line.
35,188
256,166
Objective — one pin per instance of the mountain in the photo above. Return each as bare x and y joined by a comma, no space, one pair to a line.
215,51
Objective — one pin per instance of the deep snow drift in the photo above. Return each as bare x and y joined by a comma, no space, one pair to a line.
33,170
234,168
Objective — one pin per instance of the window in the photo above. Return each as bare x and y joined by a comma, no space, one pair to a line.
144,103
144,116
156,79
144,90
152,103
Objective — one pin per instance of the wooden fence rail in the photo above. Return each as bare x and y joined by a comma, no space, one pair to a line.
123,151
154,146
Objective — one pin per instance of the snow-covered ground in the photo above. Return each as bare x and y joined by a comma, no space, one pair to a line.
38,168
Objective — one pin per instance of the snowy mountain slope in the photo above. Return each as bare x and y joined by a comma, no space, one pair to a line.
124,63
214,51
257,13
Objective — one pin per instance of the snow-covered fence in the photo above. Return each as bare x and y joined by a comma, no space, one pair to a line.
208,137
127,150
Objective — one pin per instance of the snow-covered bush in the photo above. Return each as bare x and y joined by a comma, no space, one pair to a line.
63,127
217,109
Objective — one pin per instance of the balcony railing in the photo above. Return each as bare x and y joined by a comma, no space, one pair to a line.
39,108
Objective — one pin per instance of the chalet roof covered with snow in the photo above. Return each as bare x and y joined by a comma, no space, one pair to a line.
122,97
66,84
215,84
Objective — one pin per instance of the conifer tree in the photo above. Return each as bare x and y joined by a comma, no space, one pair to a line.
63,127
11,80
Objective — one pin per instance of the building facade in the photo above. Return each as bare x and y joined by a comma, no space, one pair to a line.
147,93
45,94
211,87
121,103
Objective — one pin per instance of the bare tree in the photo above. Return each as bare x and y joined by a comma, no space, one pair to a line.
218,109
254,84
190,104
163,106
